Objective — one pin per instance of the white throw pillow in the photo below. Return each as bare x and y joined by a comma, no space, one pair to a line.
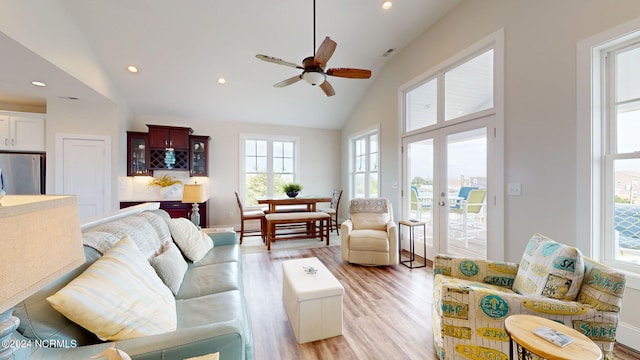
118,297
193,243
170,267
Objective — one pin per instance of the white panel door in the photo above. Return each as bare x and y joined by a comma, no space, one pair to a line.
85,172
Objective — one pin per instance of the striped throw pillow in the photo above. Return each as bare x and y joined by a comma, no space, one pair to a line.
118,297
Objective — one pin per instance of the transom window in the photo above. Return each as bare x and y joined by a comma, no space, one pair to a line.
467,90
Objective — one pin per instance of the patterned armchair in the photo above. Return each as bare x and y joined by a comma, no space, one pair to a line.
473,297
370,236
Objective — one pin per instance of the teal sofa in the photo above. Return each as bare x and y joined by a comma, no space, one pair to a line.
212,314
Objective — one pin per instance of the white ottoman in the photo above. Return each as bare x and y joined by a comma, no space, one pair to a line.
313,301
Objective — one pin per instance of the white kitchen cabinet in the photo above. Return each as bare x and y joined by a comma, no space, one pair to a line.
22,132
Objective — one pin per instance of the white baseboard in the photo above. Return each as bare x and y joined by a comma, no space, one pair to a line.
628,336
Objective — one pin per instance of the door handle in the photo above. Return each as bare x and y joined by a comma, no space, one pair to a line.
441,203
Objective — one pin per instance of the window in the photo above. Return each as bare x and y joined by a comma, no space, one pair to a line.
468,87
468,90
614,151
269,163
621,174
365,165
421,105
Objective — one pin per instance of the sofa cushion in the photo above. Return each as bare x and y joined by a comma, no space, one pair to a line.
193,243
170,267
118,297
549,269
602,286
210,279
221,254
369,240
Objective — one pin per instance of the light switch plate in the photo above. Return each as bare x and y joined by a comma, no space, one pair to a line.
514,189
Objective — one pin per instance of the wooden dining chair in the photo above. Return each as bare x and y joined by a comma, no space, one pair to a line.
332,210
249,215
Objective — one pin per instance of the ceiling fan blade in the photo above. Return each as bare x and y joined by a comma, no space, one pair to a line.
327,88
325,51
349,73
277,61
289,81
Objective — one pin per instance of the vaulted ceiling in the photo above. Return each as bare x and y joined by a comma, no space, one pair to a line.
182,48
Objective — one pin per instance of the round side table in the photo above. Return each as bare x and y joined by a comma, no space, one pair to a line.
520,329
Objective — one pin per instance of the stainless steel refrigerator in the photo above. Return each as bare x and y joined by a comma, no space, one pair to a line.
22,174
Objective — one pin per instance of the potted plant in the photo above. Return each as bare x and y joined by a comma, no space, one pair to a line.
170,187
292,189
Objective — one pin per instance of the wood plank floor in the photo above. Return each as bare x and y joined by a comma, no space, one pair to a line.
387,310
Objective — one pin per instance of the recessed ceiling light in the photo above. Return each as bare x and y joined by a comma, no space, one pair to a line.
222,81
387,5
38,83
132,69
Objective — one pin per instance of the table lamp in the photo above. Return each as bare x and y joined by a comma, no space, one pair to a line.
40,241
194,194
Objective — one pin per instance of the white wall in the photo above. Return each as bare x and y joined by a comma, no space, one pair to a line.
320,153
84,118
540,107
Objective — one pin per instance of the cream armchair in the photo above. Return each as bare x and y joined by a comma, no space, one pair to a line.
370,236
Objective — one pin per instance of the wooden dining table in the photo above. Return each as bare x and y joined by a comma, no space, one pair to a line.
309,201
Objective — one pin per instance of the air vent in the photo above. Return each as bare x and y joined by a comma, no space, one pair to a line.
388,52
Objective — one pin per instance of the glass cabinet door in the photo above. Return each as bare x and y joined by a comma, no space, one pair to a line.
137,154
199,148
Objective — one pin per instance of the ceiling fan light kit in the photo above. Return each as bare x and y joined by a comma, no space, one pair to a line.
314,78
313,67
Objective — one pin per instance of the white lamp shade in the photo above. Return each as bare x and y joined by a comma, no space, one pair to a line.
194,193
314,78
40,240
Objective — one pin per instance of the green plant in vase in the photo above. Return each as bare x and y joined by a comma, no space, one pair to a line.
292,189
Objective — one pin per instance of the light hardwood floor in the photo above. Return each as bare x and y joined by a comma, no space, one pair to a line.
387,310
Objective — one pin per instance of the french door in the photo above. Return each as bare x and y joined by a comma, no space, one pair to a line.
447,185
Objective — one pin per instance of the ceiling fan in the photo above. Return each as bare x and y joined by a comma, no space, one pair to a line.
313,67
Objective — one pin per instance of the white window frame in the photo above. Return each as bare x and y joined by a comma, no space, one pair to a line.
270,139
592,212
494,41
352,163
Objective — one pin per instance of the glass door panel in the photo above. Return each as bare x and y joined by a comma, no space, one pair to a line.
467,193
420,187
